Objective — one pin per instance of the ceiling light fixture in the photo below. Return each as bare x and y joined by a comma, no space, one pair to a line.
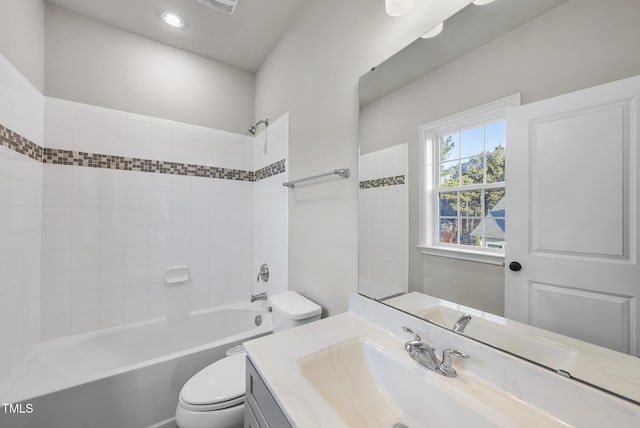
397,7
172,20
482,2
434,31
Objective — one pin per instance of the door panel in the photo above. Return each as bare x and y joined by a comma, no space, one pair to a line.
575,209
552,308
573,203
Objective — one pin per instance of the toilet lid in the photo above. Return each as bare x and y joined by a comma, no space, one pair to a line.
219,385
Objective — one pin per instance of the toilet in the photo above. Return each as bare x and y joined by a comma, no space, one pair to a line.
214,397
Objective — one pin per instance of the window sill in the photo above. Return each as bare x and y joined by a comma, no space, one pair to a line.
469,255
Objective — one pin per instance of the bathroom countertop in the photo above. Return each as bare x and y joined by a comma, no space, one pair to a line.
276,356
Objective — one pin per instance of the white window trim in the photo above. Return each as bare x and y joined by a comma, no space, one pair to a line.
428,236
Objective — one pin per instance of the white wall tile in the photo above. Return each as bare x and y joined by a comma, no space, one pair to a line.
114,124
139,128
126,228
54,305
53,327
58,113
83,321
83,280
86,119
85,259
83,301
21,110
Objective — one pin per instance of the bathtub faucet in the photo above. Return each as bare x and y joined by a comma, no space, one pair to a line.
259,296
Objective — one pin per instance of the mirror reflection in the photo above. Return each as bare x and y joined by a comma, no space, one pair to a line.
481,205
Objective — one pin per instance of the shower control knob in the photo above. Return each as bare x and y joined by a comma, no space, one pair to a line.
263,274
515,266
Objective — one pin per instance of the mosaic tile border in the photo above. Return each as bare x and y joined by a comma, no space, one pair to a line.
22,145
270,170
382,182
94,160
16,142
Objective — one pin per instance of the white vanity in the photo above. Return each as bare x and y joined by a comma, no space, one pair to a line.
352,370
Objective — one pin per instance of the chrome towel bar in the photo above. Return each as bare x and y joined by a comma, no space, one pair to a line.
342,172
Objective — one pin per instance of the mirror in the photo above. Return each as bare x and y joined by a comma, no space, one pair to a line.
538,50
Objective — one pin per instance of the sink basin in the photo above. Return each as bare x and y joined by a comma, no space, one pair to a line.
528,345
366,387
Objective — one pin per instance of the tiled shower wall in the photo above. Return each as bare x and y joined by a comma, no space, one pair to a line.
271,208
110,234
21,110
384,222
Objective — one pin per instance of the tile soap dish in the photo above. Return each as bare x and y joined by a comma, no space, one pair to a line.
177,275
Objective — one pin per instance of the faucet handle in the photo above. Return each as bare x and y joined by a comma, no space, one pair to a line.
450,352
263,273
415,335
445,367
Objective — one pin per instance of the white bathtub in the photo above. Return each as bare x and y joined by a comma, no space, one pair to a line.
123,377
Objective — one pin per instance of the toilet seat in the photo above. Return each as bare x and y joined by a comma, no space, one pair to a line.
220,385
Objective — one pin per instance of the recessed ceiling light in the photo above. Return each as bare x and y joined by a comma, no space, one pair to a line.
434,31
482,2
172,20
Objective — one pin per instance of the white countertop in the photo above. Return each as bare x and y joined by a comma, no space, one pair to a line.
275,358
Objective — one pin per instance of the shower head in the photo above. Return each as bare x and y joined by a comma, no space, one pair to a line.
254,128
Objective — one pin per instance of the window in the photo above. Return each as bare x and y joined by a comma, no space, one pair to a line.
463,169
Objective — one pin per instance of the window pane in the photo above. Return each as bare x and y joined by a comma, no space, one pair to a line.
495,136
448,204
495,165
471,232
473,170
494,203
472,142
494,222
449,174
471,204
449,147
449,230
494,231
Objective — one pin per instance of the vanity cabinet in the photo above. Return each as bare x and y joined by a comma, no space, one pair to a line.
260,408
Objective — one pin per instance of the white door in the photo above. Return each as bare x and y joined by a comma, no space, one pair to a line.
572,215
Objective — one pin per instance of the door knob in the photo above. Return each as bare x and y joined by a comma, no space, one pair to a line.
515,266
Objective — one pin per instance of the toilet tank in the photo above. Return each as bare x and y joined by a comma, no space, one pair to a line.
291,310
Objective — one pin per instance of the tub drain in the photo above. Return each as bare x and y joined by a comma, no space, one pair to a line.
258,320
400,425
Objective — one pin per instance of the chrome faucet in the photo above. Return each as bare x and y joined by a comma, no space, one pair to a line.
462,322
421,352
425,355
259,296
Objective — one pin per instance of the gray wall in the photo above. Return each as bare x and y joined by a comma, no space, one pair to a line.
93,63
22,38
313,73
581,43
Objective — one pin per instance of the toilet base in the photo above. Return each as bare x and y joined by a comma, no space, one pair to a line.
232,417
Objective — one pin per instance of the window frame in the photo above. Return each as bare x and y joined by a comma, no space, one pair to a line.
429,176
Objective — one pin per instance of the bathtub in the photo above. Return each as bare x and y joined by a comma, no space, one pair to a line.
127,376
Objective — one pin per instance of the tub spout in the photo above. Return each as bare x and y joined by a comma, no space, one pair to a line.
259,296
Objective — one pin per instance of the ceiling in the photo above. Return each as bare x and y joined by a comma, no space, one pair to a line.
243,40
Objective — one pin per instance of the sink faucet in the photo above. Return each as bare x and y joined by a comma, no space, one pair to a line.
259,296
462,322
425,355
